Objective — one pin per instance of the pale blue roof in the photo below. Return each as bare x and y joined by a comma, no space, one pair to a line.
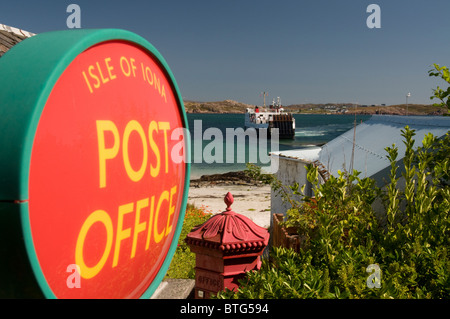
371,139
306,155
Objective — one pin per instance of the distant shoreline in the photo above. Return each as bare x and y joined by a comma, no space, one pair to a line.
233,107
348,113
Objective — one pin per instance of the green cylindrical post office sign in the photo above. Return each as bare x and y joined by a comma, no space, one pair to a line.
94,167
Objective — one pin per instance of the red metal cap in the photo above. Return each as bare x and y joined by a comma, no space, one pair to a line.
229,231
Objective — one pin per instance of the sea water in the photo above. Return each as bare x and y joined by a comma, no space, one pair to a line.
311,130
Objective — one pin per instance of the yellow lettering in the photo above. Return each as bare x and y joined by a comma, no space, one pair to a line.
154,170
104,80
165,126
173,191
87,82
149,77
110,68
153,80
133,125
103,152
138,226
150,222
157,83
159,235
163,93
90,69
97,216
143,72
133,66
128,72
121,233
155,228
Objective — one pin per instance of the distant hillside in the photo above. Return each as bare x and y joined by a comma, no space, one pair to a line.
230,106
342,108
413,109
227,106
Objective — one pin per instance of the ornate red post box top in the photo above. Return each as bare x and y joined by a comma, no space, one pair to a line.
229,232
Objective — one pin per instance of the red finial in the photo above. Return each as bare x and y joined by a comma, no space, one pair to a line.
228,200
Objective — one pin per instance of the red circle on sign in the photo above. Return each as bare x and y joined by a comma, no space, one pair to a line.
105,192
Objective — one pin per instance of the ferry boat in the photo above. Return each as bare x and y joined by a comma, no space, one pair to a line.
274,117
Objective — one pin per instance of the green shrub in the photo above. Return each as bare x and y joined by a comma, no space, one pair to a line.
443,95
183,262
342,236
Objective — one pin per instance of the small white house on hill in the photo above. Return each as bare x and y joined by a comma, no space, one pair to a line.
365,144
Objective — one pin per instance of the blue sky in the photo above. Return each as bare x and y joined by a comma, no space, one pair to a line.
302,51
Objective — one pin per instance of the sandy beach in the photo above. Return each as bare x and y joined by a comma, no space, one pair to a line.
250,199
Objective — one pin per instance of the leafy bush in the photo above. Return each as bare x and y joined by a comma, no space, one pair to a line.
342,234
438,93
183,262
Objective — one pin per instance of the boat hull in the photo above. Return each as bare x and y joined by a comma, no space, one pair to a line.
285,123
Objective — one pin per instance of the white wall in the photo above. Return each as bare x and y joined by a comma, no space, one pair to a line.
290,171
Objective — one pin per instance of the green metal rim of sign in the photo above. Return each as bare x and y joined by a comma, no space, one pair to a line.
39,61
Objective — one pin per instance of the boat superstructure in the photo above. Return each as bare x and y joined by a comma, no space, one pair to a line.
271,118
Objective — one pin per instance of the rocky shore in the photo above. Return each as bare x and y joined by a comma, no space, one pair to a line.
239,178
